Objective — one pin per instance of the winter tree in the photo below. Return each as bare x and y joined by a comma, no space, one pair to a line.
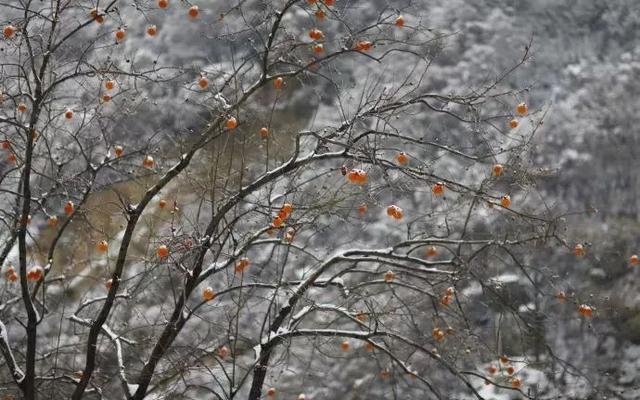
268,199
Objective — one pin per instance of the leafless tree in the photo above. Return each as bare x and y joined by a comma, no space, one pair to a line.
314,203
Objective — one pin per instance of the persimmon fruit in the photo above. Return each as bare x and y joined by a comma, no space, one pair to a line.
231,123
402,158
395,212
120,34
208,294
497,170
194,12
162,251
505,201
69,207
102,246
8,31
522,108
579,250
438,189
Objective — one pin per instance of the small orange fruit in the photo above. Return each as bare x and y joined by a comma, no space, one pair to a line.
634,260
316,34
497,169
6,145
579,250
585,311
362,209
12,158
438,334
561,296
402,158
278,82
106,98
163,251
450,291
329,3
395,212
69,207
318,48
22,107
52,221
510,370
109,84
438,188
10,270
516,383
162,203
231,123
361,316
271,392
522,108
287,208
148,162
152,30
445,300
277,222
320,15
118,150
68,114
513,123
223,352
109,284
203,82
264,132
163,3
12,277
8,31
208,294
505,201
504,359
368,346
120,35
492,369
357,176
345,346
400,21
194,12
363,45
35,274
103,246
389,276
242,265
432,251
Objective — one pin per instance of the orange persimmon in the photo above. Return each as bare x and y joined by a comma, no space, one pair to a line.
208,294
162,251
102,246
522,108
69,207
497,170
505,201
402,158
395,212
438,188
